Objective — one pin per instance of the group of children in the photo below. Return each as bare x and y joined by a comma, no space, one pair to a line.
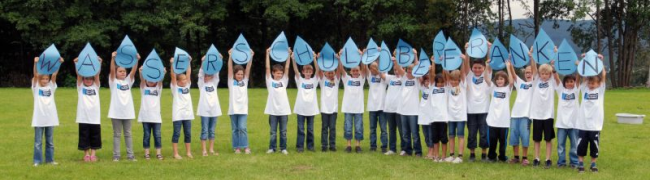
442,104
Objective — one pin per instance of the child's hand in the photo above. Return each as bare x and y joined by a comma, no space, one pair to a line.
141,68
36,59
416,52
229,51
114,54
583,55
555,49
203,58
508,64
220,56
138,56
462,56
252,53
489,45
553,64
190,57
61,59
488,61
577,61
75,60
433,58
601,57
466,45
100,60
268,51
171,60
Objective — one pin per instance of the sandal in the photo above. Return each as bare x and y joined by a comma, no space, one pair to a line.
159,156
147,156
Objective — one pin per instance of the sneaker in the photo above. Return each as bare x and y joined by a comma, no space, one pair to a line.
132,159
472,158
573,166
581,169
418,155
536,162
159,156
402,153
457,160
53,163
178,157
270,151
484,158
86,158
348,149
384,150
548,164
561,165
311,149
324,149
525,162
285,152
594,169
389,153
247,151
373,149
35,164
333,149
205,154
300,150
430,157
513,161
449,159
116,159
358,149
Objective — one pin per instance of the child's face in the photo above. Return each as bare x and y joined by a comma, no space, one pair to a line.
182,80
307,72
570,84
425,80
151,84
88,81
454,82
593,84
528,73
544,76
239,75
501,81
121,73
478,69
374,70
277,75
43,80
329,75
440,84
207,78
355,72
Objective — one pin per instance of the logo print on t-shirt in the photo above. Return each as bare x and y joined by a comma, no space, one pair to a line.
500,95
425,96
591,96
184,90
151,92
478,80
122,87
307,86
525,86
209,88
276,84
568,97
89,92
45,93
375,80
455,91
438,91
238,83
354,83
409,83
543,85
395,83
329,84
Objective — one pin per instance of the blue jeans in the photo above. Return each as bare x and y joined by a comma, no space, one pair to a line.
301,132
239,132
457,129
187,131
357,118
562,135
520,130
274,121
207,127
477,125
328,130
394,129
150,128
378,117
38,144
427,132
411,135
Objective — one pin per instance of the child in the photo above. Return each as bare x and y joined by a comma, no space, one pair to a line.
408,110
520,121
182,109
376,95
590,118
277,102
88,115
353,103
439,117
45,116
498,118
149,114
478,101
425,115
329,103
121,109
306,106
541,111
238,103
457,109
567,112
209,108
391,103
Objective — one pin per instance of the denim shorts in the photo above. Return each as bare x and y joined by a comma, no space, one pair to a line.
457,128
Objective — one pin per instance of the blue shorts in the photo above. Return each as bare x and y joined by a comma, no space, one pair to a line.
520,130
457,128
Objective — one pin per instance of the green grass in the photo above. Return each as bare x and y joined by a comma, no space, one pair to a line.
623,148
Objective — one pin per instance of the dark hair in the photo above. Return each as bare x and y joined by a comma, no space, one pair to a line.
237,68
501,74
479,62
567,78
277,67
594,78
439,78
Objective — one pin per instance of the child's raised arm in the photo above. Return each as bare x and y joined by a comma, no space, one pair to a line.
230,75
508,72
111,72
247,72
268,63
77,71
488,70
97,81
533,64
134,69
142,81
173,73
341,69
399,71
295,67
316,66
35,72
464,69
286,65
603,78
188,71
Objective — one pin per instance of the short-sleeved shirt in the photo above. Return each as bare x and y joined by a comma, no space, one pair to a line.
208,97
478,95
238,96
277,101
521,108
543,101
408,105
567,107
88,105
592,112
182,108
393,93
150,104
306,100
425,106
499,114
438,99
121,106
329,95
353,94
457,102
376,93
45,113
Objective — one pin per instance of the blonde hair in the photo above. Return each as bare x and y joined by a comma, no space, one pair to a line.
545,68
455,75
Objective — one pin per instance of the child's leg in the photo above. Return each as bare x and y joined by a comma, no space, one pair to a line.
310,132
594,141
211,132
524,133
128,140
561,144
205,122
324,131
406,135
537,136
582,147
187,129
157,138
503,136
573,156
383,134
234,131
514,137
332,131
300,140
175,136
460,133
273,122
146,137
392,131
483,133
492,155
49,144
117,136
374,120
472,127
283,132
549,135
242,131
415,135
400,133
38,144
347,127
452,138
444,139
358,128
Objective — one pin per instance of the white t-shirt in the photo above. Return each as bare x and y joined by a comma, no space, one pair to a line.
238,96
591,114
121,106
209,105
150,104
45,113
521,107
543,101
88,106
438,99
567,107
457,99
376,93
499,114
329,95
306,100
277,102
353,94
478,96
410,97
393,93
425,106
182,108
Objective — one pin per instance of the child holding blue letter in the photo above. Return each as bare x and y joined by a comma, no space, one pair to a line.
353,104
306,106
329,106
182,108
149,114
121,109
238,103
88,115
45,116
590,118
209,108
277,102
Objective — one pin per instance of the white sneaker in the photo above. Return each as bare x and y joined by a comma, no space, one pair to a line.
389,153
285,152
270,151
54,163
402,153
449,159
457,160
35,164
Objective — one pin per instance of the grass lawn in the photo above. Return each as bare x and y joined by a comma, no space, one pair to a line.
624,148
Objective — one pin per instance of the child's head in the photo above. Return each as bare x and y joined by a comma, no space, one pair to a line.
355,72
425,80
181,80
150,84
374,68
501,79
478,67
409,69
545,72
238,70
208,77
569,81
528,73
439,80
88,81
43,79
307,71
277,71
120,73
593,82
454,78
329,75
